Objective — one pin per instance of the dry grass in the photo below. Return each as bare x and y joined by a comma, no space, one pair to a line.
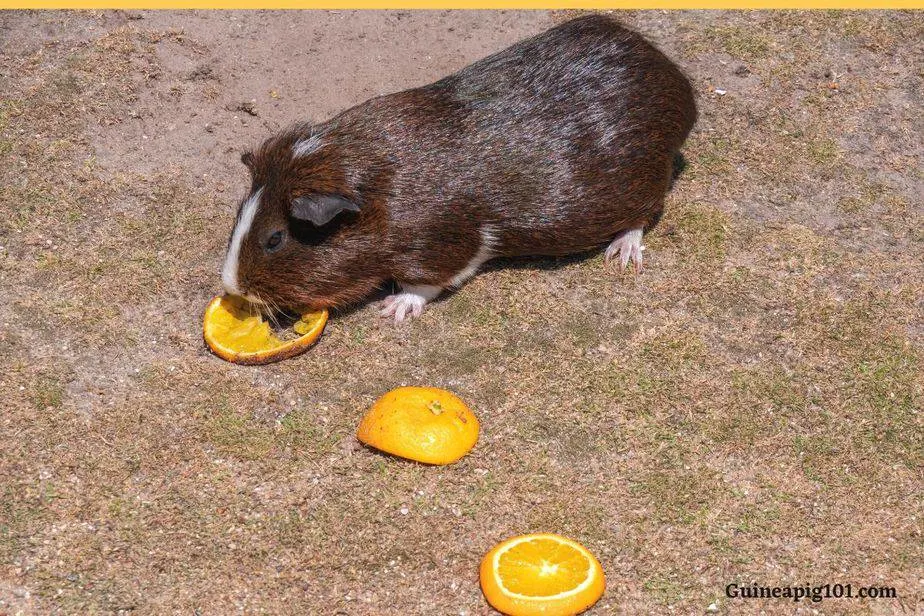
747,409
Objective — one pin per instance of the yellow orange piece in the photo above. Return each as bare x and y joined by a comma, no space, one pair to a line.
541,574
235,330
420,423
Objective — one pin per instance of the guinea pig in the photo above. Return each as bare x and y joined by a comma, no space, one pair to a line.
560,144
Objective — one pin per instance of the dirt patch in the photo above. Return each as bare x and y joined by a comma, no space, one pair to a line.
748,409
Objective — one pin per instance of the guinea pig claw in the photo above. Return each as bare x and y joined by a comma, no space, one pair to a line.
403,305
387,304
626,247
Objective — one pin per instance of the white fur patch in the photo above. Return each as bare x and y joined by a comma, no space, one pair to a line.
230,268
304,147
485,252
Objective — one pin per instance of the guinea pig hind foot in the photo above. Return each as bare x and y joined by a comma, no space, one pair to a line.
409,303
627,247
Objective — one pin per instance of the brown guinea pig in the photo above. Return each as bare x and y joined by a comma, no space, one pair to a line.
559,144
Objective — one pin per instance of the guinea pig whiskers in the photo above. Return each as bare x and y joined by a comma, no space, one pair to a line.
259,304
271,310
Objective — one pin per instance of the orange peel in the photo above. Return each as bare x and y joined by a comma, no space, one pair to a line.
425,424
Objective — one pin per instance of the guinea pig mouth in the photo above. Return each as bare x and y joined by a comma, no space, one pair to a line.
279,313
280,319
266,307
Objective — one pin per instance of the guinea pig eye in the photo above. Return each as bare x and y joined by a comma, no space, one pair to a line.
274,241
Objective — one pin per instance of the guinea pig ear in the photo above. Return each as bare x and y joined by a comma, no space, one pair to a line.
247,159
321,209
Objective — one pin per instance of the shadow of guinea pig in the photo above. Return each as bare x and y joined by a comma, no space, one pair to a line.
562,143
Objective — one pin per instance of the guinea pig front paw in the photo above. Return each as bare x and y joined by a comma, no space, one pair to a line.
628,247
409,303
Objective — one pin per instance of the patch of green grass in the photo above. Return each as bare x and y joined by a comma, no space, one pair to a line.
699,516
744,44
678,495
48,392
30,206
480,493
665,590
233,433
702,230
117,508
21,510
756,407
887,392
520,343
886,377
582,518
288,529
458,355
87,323
672,350
824,151
710,156
720,543
654,372
65,84
697,232
818,455
46,260
873,33
359,334
582,330
633,386
865,196
472,307
301,433
7,107
796,248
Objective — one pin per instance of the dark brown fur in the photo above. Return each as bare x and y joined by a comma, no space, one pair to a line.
556,144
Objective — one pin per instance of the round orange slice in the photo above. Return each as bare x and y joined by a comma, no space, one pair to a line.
425,424
541,574
235,331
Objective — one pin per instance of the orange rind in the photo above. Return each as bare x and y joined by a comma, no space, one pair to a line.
425,424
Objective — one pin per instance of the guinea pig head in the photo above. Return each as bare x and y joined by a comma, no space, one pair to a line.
304,239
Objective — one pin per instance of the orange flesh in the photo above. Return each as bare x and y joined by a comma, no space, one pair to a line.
241,330
236,331
542,567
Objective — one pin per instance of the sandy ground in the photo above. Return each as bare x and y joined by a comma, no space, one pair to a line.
747,409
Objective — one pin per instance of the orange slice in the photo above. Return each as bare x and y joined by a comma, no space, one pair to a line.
420,423
235,331
542,574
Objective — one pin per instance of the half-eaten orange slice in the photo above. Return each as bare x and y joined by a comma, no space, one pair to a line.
426,424
542,574
235,331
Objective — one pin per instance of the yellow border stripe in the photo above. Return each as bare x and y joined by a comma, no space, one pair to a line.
461,4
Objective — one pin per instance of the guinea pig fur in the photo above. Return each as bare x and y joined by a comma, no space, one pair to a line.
562,143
